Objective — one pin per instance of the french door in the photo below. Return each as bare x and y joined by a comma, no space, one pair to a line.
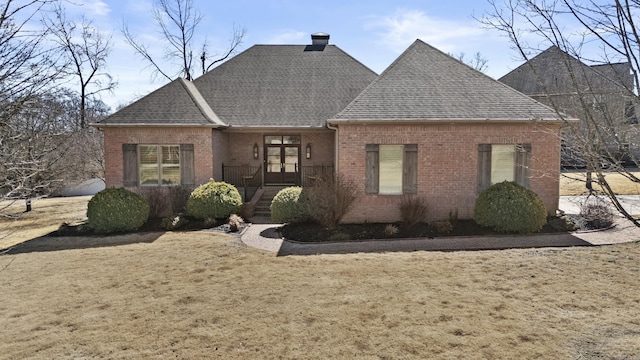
282,159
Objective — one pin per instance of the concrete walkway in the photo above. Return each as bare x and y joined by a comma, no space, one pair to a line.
265,236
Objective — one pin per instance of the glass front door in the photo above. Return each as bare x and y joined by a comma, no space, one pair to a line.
282,159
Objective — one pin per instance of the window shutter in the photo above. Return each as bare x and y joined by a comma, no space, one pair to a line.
523,164
130,164
187,169
484,166
372,171
410,169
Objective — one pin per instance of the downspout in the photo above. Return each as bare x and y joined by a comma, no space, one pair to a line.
335,150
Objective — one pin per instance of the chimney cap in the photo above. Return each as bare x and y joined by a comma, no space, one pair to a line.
319,38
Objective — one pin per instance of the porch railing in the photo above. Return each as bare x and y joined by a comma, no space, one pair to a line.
310,175
247,177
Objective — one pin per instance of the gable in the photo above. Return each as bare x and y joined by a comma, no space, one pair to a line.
177,103
427,84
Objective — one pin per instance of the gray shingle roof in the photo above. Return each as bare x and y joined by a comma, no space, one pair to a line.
556,73
177,103
284,85
427,84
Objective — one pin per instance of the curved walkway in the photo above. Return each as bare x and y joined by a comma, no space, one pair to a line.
266,237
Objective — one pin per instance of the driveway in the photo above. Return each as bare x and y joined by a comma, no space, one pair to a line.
571,204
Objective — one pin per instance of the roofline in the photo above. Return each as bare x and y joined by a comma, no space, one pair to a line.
200,102
242,128
214,126
453,120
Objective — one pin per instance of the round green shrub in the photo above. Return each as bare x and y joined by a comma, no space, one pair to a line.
116,210
289,205
214,200
509,207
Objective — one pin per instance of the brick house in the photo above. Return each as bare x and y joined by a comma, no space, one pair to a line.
284,114
603,92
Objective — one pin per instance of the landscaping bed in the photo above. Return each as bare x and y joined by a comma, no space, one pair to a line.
313,232
151,225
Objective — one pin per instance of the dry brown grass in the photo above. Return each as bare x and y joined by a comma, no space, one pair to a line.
46,216
201,295
572,183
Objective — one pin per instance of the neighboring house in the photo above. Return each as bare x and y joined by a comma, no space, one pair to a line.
602,92
427,126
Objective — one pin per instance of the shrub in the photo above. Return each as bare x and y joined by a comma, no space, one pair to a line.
390,230
289,205
214,200
330,200
165,200
117,209
595,213
413,209
442,227
509,207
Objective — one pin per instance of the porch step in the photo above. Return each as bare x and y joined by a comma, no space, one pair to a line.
263,206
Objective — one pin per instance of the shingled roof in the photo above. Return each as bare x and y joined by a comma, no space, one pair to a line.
425,84
557,71
284,85
177,103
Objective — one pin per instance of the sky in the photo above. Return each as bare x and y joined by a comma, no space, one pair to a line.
375,32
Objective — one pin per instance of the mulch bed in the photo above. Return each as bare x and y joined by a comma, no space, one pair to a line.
313,232
152,225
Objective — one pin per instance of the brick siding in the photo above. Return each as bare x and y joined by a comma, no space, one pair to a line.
212,148
200,137
447,164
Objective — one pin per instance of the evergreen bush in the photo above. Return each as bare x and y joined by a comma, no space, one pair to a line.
116,210
289,205
214,200
509,207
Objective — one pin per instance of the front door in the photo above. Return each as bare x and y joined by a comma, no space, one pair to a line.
282,159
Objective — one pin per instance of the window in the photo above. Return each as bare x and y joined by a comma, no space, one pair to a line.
503,162
149,165
159,164
391,169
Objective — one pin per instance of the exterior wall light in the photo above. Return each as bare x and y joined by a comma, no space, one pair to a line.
308,153
255,151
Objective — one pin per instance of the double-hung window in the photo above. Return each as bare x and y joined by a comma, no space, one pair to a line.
153,165
159,164
503,162
391,169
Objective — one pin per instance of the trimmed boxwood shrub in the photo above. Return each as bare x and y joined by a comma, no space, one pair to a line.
289,205
214,200
117,209
510,207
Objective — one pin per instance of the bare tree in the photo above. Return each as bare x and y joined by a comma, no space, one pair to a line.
28,69
477,62
608,30
87,50
178,22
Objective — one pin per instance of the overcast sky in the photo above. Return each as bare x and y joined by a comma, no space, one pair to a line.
375,32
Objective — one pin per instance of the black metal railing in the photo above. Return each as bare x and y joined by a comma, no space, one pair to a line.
246,177
310,175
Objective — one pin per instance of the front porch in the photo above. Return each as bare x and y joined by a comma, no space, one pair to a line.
249,178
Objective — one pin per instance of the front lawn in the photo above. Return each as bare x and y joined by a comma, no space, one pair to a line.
199,295
572,183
